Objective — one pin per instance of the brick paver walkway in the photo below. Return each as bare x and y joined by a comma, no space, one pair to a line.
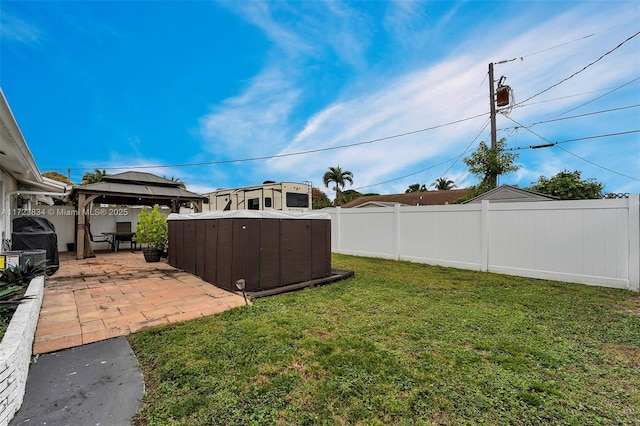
115,294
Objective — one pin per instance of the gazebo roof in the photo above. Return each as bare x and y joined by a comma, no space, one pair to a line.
128,188
136,188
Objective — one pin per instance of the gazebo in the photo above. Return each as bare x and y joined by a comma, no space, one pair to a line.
128,188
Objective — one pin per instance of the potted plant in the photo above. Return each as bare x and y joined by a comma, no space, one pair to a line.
153,232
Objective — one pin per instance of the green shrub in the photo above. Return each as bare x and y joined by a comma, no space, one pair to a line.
152,228
14,282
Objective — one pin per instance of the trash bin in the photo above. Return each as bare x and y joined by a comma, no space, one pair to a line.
34,258
9,259
36,233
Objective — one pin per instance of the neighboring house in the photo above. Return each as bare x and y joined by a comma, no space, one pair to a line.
22,187
423,198
510,194
377,204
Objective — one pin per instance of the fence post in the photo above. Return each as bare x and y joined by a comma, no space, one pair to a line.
634,242
338,231
396,221
484,250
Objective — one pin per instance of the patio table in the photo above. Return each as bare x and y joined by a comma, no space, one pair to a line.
116,237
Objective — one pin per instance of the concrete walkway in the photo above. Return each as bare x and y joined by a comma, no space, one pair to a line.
96,384
115,294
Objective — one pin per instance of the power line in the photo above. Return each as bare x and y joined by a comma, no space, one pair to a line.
579,94
579,71
584,138
599,97
468,146
405,176
545,50
268,157
454,159
576,116
556,144
558,45
483,127
550,144
463,179
598,165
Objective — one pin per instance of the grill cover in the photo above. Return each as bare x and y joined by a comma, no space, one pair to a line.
32,233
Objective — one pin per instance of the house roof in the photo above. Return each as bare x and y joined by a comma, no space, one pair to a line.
511,194
137,188
16,159
423,198
378,204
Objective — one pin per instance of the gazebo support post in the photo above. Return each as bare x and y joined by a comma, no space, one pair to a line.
84,202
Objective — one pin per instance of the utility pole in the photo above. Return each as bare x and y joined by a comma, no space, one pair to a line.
492,101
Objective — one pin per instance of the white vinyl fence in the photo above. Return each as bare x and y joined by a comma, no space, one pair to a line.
588,241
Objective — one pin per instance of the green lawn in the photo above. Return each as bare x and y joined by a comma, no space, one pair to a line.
403,343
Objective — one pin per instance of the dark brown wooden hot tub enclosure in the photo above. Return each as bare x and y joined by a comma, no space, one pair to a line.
266,249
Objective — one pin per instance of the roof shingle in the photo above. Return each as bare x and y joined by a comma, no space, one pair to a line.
423,198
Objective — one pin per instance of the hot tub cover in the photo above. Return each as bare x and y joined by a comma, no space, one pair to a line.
250,214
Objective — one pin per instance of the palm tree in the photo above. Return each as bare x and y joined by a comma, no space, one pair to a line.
416,187
443,184
177,180
339,178
93,177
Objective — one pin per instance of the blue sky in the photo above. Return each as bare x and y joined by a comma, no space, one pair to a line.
157,83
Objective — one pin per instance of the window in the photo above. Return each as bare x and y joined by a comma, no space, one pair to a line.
267,202
253,204
297,200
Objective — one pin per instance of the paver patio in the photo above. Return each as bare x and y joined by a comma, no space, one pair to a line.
115,294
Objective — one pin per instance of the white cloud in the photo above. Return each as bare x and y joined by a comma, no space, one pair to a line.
261,15
251,123
259,120
14,29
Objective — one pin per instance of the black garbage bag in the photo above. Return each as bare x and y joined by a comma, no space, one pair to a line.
36,233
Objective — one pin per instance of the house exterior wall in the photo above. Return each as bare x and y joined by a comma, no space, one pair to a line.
587,241
15,351
7,184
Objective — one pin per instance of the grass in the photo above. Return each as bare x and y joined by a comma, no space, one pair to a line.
402,343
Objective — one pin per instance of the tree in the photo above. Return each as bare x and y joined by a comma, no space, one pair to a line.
319,199
568,186
57,176
443,184
487,164
416,187
348,196
93,177
177,180
339,179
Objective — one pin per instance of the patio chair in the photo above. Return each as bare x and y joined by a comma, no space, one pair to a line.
102,239
124,233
